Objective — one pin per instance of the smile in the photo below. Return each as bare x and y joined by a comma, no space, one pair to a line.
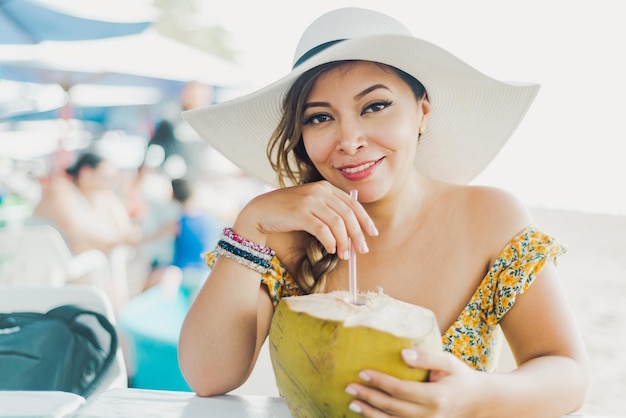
352,170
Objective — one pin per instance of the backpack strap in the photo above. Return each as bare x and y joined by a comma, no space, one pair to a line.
69,313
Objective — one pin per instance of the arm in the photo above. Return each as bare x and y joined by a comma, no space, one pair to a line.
230,318
224,329
547,347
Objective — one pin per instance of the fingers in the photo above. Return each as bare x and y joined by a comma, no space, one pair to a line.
319,208
384,395
337,218
441,363
347,221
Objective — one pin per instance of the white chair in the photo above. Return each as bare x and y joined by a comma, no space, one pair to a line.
43,298
38,255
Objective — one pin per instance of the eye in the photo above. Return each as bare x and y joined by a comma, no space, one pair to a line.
316,118
377,106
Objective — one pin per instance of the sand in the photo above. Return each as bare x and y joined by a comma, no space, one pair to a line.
593,274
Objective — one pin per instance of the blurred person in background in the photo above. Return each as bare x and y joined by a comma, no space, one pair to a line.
147,195
185,154
84,206
196,232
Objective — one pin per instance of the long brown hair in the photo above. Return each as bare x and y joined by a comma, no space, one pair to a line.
291,162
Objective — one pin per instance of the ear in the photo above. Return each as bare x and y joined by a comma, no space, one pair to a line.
425,113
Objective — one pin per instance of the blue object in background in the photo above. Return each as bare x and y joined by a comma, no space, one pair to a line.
32,21
150,325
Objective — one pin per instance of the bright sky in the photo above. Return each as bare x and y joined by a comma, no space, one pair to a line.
569,152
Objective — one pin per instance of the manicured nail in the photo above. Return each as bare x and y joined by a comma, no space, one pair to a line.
372,230
364,247
346,255
364,376
355,407
350,391
409,355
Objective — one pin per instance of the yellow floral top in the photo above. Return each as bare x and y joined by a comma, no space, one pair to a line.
475,336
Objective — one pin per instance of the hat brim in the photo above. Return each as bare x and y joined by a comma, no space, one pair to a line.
472,115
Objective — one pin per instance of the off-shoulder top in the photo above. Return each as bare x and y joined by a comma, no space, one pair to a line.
475,336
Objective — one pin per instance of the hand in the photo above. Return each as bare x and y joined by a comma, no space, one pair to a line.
319,208
448,393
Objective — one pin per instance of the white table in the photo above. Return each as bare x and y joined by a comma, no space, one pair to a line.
140,403
18,404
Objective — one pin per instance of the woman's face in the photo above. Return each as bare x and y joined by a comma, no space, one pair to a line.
360,128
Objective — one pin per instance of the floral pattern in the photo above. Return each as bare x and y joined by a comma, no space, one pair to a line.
475,336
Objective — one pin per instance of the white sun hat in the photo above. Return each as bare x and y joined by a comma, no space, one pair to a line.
472,115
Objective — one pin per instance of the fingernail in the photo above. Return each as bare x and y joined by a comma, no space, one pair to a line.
364,247
350,391
355,407
409,355
364,376
373,231
346,255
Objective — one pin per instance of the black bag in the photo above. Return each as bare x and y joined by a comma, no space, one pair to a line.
68,349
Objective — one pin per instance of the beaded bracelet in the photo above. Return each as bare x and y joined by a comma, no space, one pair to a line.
245,252
229,233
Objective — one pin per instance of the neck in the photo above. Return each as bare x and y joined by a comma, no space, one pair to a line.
403,207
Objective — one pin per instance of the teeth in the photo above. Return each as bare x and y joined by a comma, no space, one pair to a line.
359,168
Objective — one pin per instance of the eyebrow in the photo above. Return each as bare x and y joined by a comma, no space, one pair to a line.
356,97
369,90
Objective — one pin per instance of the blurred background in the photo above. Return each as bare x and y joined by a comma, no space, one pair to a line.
111,78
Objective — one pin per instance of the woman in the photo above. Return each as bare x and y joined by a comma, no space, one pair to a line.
368,107
84,206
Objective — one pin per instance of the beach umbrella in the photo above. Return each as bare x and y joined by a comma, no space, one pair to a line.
35,21
26,23
19,98
147,58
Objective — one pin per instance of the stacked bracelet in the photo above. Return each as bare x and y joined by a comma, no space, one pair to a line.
252,255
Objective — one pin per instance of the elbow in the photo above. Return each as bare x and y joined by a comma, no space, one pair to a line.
207,386
579,378
206,382
203,384
206,391
584,385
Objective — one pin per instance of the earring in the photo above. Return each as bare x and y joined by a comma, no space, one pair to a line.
420,130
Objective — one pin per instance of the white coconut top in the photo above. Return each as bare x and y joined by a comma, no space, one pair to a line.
375,310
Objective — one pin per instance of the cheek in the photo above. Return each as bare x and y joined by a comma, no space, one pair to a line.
317,147
396,135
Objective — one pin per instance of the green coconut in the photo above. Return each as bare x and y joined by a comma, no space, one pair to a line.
320,342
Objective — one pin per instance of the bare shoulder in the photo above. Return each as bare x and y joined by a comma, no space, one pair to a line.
498,204
494,214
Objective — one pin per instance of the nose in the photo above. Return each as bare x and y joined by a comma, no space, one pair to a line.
351,138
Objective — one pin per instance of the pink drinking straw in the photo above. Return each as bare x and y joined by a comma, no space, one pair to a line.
352,262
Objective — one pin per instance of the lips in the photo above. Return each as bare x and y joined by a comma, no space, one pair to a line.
361,171
362,167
